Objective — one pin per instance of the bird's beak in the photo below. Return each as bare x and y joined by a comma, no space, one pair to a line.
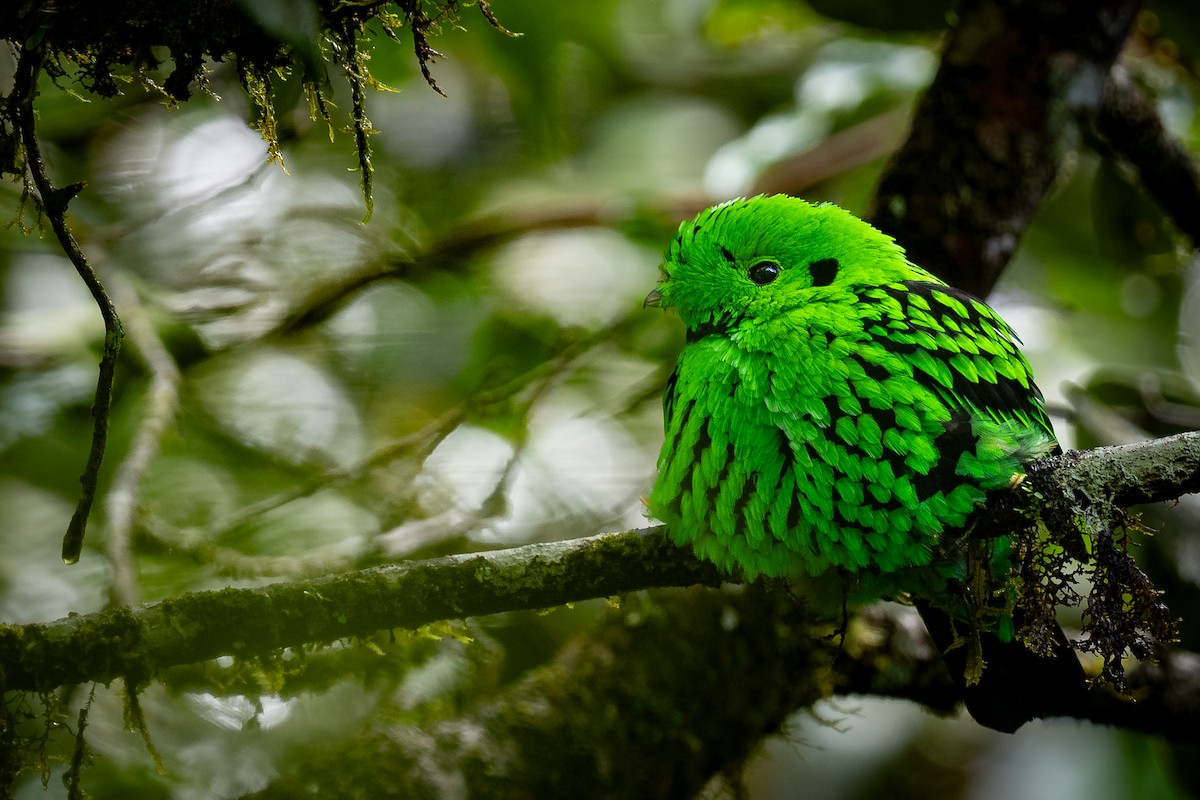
653,299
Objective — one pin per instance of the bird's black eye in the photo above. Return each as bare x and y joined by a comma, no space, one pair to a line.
764,272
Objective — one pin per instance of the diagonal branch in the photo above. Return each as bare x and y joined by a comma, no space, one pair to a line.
986,138
1130,125
161,402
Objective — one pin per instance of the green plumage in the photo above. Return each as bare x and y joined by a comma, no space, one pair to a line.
836,408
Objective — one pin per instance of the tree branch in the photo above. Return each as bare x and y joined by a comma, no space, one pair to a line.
1130,125
137,643
696,681
986,137
1113,477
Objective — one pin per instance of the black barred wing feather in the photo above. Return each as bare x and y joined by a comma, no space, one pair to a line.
958,348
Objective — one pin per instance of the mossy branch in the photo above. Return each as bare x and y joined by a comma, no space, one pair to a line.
1071,508
136,643
1101,480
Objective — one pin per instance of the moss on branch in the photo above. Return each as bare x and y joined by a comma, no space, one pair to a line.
136,643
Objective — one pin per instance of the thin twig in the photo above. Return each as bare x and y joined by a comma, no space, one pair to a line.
162,399
419,441
54,203
451,252
455,522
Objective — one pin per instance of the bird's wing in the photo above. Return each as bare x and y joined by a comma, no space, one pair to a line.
961,349
963,353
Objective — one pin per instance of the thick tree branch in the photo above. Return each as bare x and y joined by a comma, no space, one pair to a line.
985,141
136,643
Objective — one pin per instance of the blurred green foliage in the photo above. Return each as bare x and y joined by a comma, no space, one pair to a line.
473,366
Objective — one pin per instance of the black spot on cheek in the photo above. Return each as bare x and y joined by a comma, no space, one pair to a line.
824,271
728,256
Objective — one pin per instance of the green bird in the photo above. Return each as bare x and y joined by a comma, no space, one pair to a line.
836,409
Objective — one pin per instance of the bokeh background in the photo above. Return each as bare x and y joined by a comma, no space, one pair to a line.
472,368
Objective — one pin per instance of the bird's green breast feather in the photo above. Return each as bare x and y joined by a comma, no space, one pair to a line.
845,432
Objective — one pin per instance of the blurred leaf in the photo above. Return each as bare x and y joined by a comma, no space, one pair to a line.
506,345
281,403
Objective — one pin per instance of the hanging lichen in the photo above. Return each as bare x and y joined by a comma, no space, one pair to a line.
99,48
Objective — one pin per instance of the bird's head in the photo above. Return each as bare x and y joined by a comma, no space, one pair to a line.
755,258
